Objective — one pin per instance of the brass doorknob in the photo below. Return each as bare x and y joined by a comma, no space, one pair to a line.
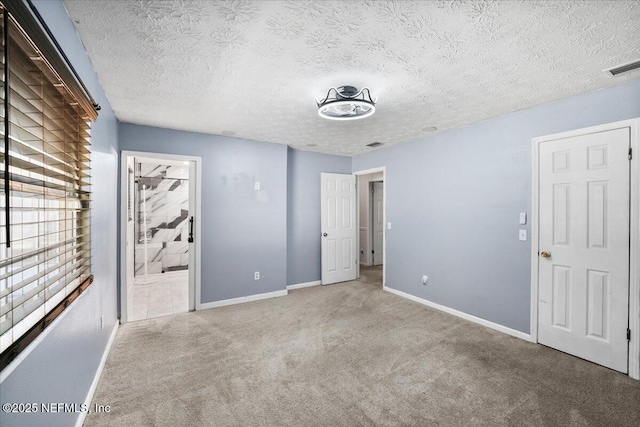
545,254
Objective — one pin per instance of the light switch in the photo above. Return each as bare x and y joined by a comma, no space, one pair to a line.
388,226
257,185
523,235
523,218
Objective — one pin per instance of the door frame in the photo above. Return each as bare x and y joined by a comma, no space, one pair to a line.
634,230
382,169
194,255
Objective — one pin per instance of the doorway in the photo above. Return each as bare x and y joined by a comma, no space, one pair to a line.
370,219
371,223
377,224
159,235
584,244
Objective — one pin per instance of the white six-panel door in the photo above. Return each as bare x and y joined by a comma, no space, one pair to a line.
583,277
338,227
378,224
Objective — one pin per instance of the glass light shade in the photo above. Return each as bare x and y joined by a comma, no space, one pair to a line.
348,109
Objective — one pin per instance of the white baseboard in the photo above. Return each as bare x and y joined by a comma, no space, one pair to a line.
466,316
96,378
240,300
304,285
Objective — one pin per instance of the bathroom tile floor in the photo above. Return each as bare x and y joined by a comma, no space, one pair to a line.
159,295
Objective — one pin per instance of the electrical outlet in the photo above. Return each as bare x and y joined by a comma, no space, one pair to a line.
257,185
256,275
522,235
425,279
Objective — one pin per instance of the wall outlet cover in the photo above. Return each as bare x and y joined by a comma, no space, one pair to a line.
256,275
522,236
425,279
257,185
523,218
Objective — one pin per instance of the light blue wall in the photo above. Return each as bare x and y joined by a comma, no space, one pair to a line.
303,222
454,199
243,230
62,366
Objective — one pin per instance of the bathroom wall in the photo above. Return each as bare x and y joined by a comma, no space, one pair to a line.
167,217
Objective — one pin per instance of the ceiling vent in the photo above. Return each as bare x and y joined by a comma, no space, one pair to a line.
375,144
630,66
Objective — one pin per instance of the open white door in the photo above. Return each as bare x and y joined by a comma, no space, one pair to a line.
338,227
583,275
378,222
194,268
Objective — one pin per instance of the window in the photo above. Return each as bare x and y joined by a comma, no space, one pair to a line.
45,227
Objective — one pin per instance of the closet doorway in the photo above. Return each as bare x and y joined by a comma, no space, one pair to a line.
371,220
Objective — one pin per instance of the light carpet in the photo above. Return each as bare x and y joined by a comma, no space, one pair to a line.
348,354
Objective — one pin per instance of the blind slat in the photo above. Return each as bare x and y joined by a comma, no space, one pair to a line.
53,233
14,288
7,262
27,266
20,178
66,275
19,313
50,149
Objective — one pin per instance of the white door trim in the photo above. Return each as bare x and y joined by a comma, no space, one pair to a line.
382,169
634,262
194,289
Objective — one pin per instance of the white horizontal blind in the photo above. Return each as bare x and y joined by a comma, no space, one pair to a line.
49,252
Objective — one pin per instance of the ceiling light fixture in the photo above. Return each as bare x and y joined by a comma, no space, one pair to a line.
346,103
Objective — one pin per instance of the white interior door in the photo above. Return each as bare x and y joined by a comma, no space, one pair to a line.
378,225
583,284
129,234
338,227
130,228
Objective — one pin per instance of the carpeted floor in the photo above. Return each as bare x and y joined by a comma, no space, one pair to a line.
348,354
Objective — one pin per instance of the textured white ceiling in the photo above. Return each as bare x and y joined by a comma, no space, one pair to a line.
254,69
